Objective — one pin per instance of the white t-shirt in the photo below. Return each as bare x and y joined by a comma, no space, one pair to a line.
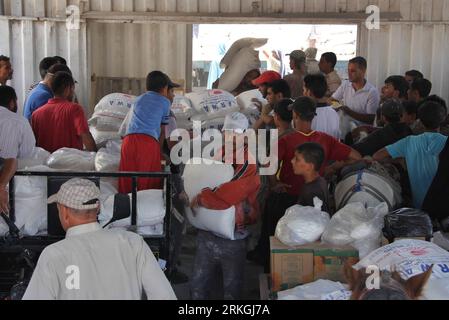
96,264
327,121
17,139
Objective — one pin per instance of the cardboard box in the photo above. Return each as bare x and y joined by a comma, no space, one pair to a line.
291,267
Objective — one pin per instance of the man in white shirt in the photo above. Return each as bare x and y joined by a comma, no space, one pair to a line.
327,65
327,119
359,98
16,141
92,263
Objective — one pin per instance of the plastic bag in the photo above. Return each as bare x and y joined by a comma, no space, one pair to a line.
108,159
358,227
302,225
318,290
212,104
182,107
407,223
72,160
38,157
103,137
111,111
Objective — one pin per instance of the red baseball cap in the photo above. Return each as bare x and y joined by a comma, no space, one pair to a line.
267,77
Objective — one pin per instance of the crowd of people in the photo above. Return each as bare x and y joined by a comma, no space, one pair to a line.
401,123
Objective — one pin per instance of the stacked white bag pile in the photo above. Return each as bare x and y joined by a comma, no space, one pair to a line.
302,225
247,105
198,175
38,157
108,117
358,227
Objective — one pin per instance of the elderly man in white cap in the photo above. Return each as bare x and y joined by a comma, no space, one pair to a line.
92,263
241,193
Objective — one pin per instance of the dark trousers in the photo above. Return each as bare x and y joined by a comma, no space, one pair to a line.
275,207
212,253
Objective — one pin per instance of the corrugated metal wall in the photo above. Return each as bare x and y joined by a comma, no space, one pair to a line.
420,40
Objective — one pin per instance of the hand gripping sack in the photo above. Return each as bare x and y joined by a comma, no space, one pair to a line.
111,111
302,225
209,174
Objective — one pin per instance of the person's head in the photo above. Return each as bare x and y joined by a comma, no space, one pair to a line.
395,87
171,91
437,99
283,114
297,60
410,114
315,86
328,62
78,203
235,125
432,115
419,90
54,69
264,79
6,70
63,86
61,60
8,98
357,69
158,82
45,65
309,158
311,53
304,111
247,82
412,75
392,111
278,90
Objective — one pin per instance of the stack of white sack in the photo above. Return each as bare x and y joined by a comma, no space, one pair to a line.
183,111
108,117
358,227
150,212
302,225
72,160
247,105
108,160
38,157
318,290
198,175
212,104
411,258
238,61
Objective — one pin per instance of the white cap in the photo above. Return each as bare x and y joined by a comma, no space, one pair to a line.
77,194
237,122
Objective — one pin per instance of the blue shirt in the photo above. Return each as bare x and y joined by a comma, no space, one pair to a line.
422,155
150,111
38,97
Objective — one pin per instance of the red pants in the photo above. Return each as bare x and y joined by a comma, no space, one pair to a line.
140,153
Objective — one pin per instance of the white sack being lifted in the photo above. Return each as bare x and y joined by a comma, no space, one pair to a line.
358,227
212,104
72,160
238,61
38,157
111,111
204,175
302,225
150,210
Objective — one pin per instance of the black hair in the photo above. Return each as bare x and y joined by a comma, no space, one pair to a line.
400,84
157,80
317,84
305,108
331,58
415,74
432,115
59,68
283,110
61,82
280,86
61,60
437,99
423,86
46,64
7,94
312,153
393,117
360,61
4,58
410,107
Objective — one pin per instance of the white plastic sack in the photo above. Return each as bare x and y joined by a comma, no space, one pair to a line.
347,124
211,175
411,258
72,160
212,104
358,227
103,137
182,107
244,61
108,159
38,157
245,99
302,225
252,43
318,290
111,111
150,209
